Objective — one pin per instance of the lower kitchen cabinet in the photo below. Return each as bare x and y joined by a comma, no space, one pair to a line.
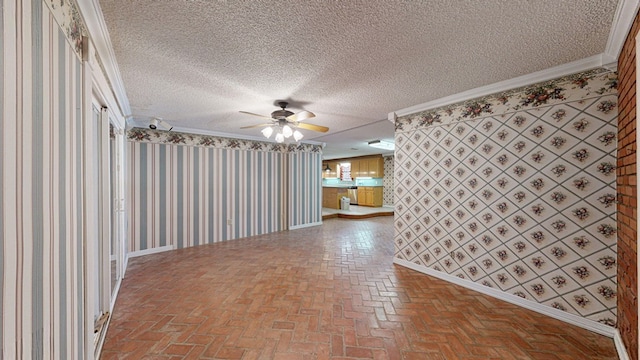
331,197
361,195
370,196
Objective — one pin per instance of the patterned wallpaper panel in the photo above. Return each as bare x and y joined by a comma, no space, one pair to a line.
188,190
519,201
305,182
68,17
387,181
42,191
187,196
209,141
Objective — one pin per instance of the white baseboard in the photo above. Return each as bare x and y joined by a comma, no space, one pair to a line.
114,295
150,251
124,267
513,299
295,227
103,336
620,348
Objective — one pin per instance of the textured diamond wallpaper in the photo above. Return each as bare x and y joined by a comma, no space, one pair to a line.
387,181
517,192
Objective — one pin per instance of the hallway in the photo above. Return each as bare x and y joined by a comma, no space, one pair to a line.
324,292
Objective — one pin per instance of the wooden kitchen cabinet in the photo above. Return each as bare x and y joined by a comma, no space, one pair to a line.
364,168
377,196
355,168
333,173
370,196
361,195
376,167
360,167
331,197
368,167
371,167
335,169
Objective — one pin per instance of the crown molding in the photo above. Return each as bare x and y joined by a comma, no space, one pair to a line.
620,27
622,21
185,130
99,34
517,82
237,136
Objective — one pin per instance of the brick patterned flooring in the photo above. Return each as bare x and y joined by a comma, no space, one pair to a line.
324,292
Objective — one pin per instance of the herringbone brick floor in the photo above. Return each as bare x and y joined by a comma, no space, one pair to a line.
325,292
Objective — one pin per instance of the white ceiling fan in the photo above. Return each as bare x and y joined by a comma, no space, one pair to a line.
285,123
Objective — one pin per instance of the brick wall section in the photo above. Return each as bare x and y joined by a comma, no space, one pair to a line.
627,200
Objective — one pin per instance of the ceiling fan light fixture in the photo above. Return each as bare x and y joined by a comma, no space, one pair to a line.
286,131
267,132
285,124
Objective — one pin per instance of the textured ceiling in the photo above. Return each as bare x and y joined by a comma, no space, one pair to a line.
196,64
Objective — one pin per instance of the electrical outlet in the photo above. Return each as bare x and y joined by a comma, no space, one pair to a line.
229,222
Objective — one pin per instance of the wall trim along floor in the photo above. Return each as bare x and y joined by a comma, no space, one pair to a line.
294,227
622,351
513,299
151,251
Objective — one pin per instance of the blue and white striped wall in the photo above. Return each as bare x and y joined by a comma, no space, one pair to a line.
183,195
305,201
41,211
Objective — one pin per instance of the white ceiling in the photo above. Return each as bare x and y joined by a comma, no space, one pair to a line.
196,64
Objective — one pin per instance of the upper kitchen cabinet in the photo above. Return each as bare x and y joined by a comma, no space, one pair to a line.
363,167
376,167
355,168
333,172
368,167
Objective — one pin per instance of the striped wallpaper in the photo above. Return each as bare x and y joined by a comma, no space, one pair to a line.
182,195
306,188
41,277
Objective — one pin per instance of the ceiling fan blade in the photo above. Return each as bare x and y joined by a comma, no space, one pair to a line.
255,126
302,115
313,127
254,114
